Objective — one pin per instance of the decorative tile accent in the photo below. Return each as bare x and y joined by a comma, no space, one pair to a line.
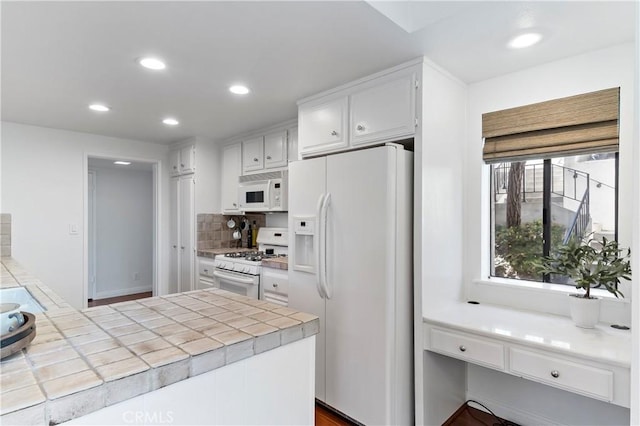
120,369
61,369
266,342
196,347
283,322
98,346
76,405
231,337
149,346
164,356
108,357
239,351
119,390
171,373
185,336
73,383
207,361
20,398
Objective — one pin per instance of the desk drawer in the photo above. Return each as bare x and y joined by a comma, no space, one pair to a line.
579,378
467,348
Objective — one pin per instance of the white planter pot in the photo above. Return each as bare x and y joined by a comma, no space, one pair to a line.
584,312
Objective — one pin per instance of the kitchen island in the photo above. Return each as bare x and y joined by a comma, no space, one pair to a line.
200,357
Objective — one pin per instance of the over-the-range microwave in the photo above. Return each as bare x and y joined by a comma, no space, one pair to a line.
263,192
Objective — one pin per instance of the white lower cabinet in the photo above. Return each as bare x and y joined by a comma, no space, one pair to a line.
592,378
275,285
569,375
468,348
205,273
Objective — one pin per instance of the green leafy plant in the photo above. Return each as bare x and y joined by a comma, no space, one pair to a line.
596,262
519,248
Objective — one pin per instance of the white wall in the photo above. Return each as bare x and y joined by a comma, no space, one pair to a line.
124,231
585,73
43,188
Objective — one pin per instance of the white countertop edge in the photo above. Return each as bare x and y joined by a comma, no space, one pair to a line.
544,332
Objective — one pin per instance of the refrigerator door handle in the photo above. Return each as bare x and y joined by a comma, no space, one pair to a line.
318,246
323,242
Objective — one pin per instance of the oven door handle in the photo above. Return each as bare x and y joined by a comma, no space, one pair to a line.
233,278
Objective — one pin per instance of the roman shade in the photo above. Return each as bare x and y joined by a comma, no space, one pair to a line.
584,123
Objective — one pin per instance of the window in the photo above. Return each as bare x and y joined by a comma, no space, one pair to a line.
540,204
554,173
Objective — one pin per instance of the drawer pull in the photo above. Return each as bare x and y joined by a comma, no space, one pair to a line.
555,374
462,348
275,285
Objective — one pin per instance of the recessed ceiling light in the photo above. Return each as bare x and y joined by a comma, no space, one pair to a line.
152,63
524,40
99,107
239,89
122,163
170,121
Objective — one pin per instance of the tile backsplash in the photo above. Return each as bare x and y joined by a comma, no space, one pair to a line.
213,232
5,234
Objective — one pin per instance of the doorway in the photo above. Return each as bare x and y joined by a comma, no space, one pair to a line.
121,217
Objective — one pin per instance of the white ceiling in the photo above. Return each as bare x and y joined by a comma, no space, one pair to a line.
57,57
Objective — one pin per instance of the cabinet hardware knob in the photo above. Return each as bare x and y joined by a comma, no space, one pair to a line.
275,285
181,165
360,127
234,204
462,348
334,133
175,167
555,374
174,246
268,157
182,247
255,159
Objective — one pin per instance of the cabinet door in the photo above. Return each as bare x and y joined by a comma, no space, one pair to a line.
188,159
383,112
322,127
292,144
253,154
174,236
187,233
275,150
174,162
231,169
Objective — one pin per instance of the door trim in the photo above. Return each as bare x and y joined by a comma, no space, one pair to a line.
157,218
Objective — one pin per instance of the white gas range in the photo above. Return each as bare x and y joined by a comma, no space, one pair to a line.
240,272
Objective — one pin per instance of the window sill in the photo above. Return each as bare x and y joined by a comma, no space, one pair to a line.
545,298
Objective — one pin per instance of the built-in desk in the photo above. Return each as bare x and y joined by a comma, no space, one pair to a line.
544,348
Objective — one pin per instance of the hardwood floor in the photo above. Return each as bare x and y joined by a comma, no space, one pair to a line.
325,417
110,300
469,416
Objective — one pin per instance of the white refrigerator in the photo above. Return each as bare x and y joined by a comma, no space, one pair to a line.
350,263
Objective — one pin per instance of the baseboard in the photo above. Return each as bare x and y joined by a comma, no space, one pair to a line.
510,413
122,292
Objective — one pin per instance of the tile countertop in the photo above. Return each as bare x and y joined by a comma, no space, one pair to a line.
81,361
211,253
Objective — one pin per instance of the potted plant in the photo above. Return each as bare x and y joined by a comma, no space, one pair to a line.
591,264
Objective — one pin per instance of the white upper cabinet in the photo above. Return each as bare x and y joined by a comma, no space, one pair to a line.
253,154
275,150
182,161
322,126
377,109
385,111
231,169
264,152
